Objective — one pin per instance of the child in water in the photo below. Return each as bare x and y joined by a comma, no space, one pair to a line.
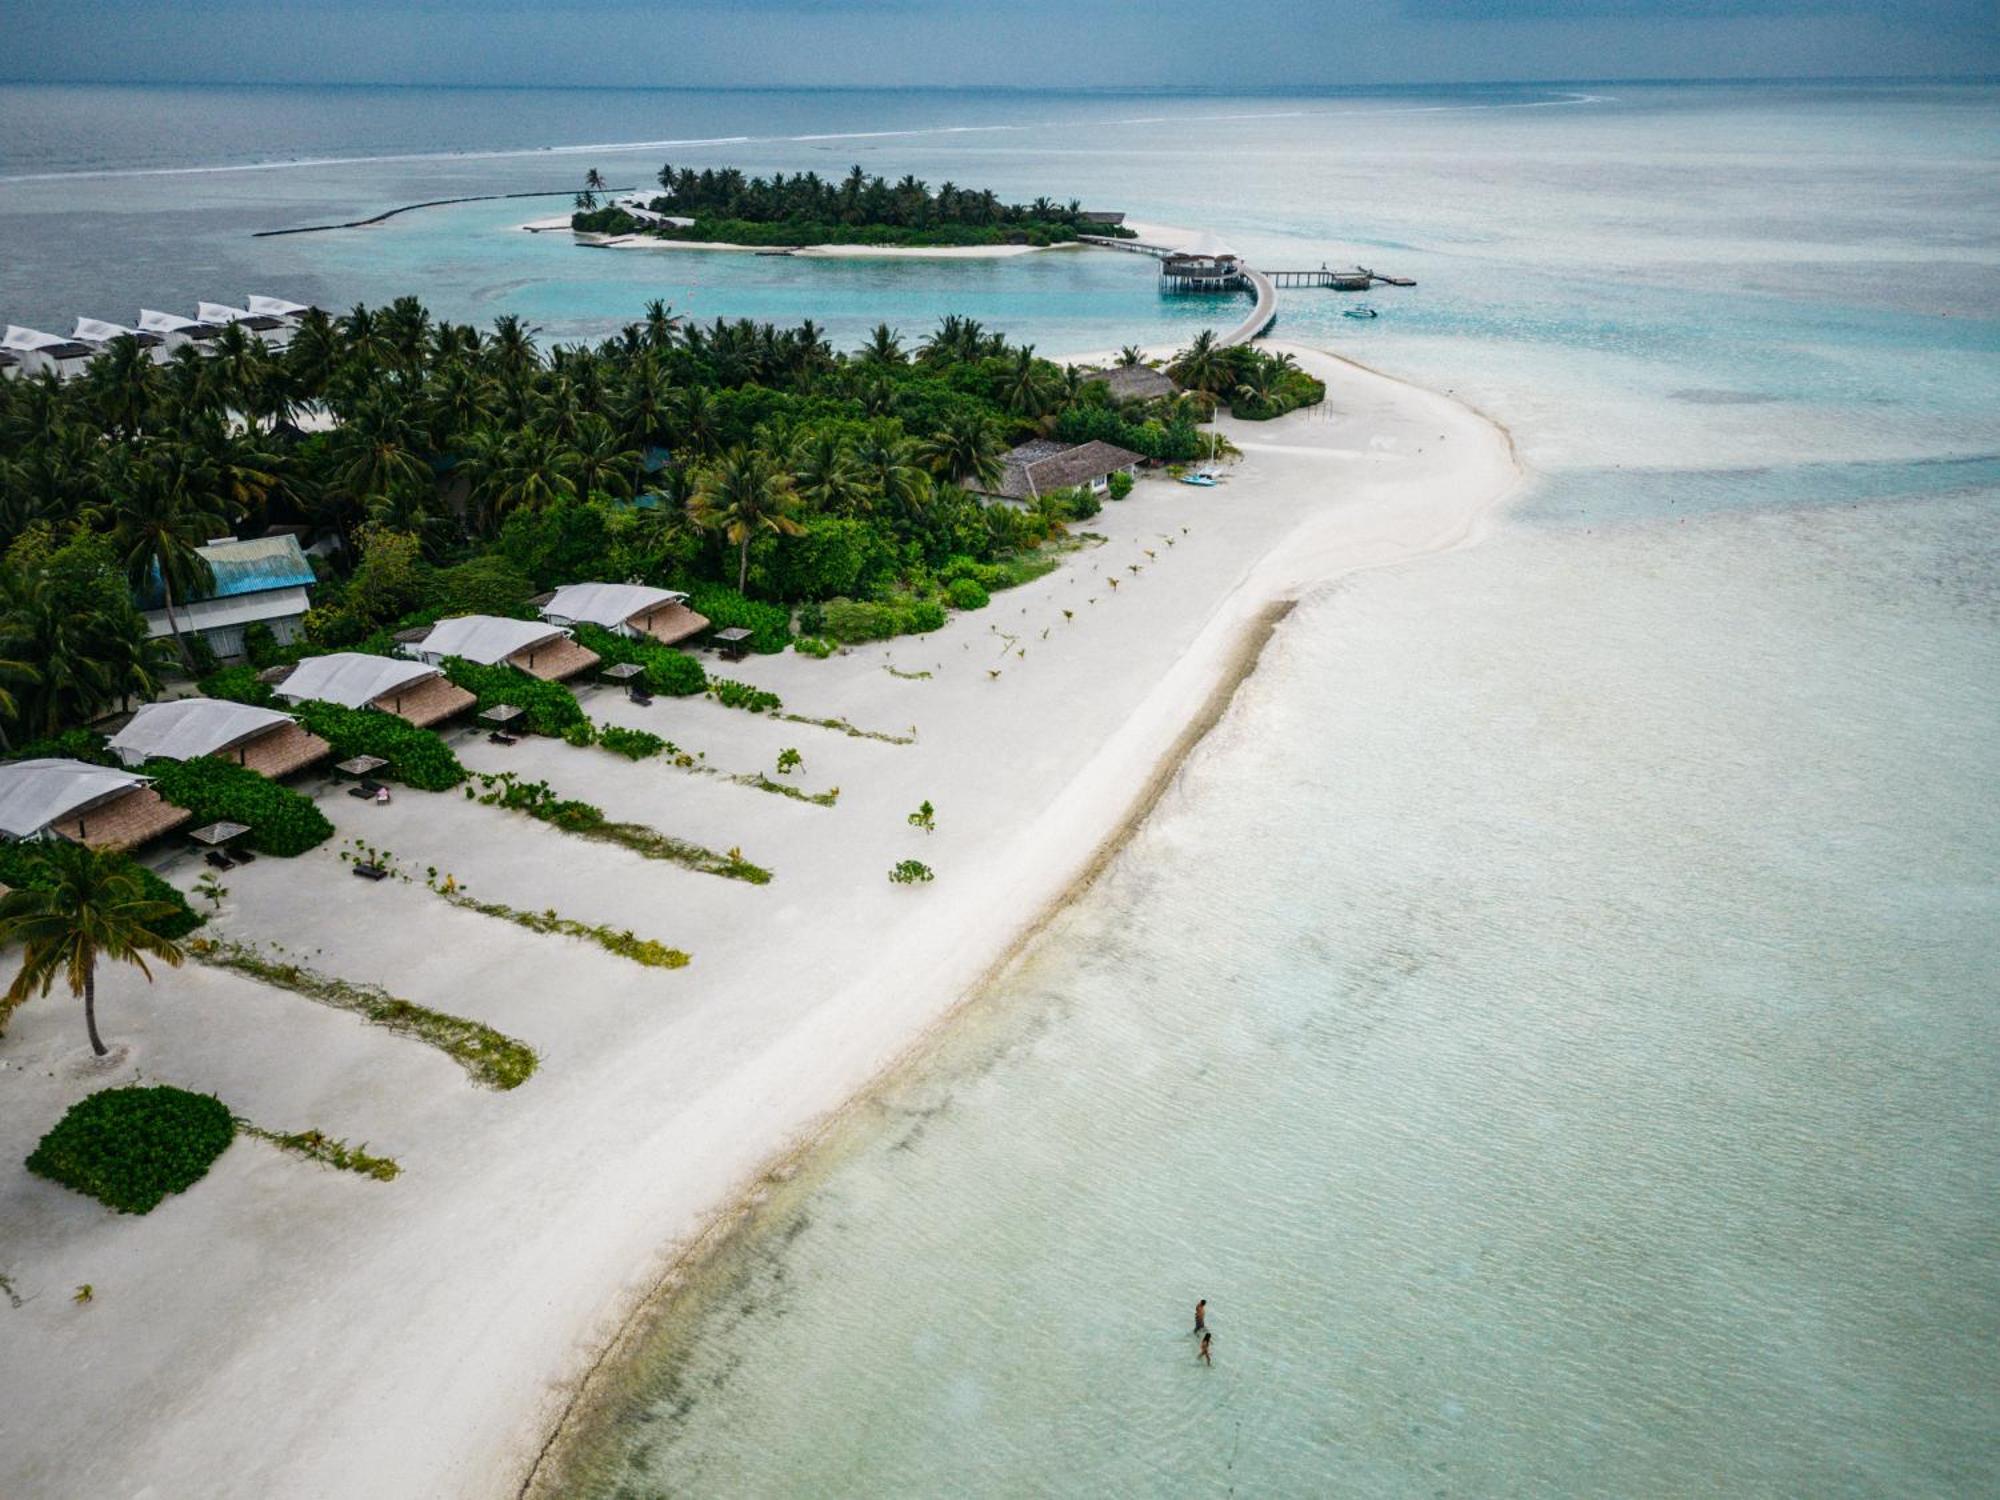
1204,1350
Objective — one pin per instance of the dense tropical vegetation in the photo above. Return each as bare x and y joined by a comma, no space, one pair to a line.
453,470
807,209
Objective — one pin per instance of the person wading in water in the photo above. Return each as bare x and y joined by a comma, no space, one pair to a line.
1201,1316
1204,1350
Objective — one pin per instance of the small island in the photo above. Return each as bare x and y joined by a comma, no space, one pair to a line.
722,206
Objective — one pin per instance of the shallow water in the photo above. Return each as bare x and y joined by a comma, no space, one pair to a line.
1552,1019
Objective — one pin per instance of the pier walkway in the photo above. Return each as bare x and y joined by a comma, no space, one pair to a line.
1263,313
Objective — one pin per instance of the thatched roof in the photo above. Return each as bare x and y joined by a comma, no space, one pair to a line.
1035,468
1134,382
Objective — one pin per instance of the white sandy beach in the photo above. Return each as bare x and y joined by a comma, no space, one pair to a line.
817,252
281,1330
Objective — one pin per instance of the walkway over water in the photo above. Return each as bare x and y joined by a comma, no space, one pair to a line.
1262,314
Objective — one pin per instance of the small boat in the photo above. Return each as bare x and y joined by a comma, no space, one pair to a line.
1205,481
1359,312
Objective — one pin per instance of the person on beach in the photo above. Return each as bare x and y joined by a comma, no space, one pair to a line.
1204,1350
1201,1316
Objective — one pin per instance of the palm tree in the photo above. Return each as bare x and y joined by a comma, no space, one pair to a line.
890,467
593,181
825,474
603,459
1204,365
1131,357
159,516
967,448
1027,385
92,908
884,347
530,470
743,494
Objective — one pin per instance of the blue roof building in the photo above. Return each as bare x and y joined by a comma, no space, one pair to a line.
265,581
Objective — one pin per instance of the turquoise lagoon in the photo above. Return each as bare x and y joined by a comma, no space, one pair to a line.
1553,1017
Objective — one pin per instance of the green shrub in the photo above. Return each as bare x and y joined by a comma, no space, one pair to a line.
22,867
770,625
200,653
731,694
281,821
71,744
965,593
852,620
812,617
581,735
668,671
911,872
815,646
923,616
416,757
130,1147
633,744
1120,485
489,585
238,685
550,708
260,646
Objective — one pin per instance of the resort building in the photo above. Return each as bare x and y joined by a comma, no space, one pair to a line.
624,609
1035,468
45,353
174,330
534,646
411,690
1133,382
102,806
1099,219
258,739
99,334
1207,265
266,581
273,332
276,307
10,365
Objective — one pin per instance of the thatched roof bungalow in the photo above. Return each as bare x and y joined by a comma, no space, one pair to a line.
410,690
629,609
1133,382
1035,468
258,739
102,806
534,646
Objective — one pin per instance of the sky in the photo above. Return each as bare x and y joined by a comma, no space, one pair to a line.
1009,43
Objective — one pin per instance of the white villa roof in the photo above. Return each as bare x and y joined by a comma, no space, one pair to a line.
161,322
351,678
97,331
36,793
486,639
275,307
1207,244
220,312
188,727
606,604
27,340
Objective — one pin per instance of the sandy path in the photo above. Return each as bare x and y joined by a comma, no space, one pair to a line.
282,1331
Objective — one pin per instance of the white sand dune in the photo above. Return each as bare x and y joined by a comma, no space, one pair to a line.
281,1330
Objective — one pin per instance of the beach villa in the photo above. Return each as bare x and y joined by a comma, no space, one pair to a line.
1132,382
533,646
411,690
273,332
276,307
266,581
45,353
174,330
1035,468
258,739
628,609
102,806
99,334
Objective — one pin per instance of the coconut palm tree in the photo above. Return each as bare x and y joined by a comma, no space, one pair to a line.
742,495
1131,357
891,468
604,460
825,474
884,347
91,907
1029,385
528,470
593,181
1204,365
159,514
966,449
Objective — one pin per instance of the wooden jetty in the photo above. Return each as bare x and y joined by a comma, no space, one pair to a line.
1359,279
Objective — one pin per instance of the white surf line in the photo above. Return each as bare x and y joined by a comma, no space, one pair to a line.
914,132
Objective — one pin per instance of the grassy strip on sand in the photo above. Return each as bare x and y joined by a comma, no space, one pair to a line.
764,783
621,941
585,821
318,1146
852,731
493,1059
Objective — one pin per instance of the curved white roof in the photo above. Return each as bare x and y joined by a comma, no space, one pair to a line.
1207,244
161,322
188,727
36,793
26,340
97,331
220,312
486,639
275,307
352,679
606,604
